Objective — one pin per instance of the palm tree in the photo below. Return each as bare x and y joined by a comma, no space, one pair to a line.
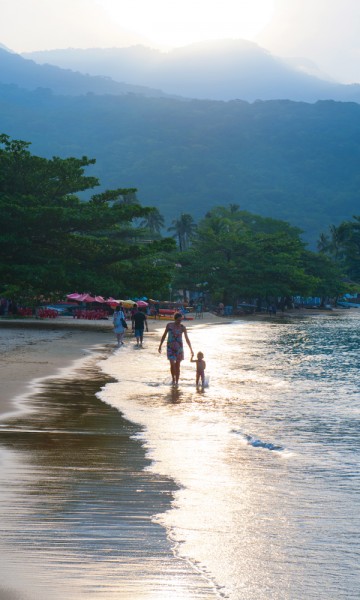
154,221
323,243
184,228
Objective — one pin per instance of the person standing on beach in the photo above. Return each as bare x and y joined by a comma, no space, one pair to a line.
175,351
200,368
119,324
139,320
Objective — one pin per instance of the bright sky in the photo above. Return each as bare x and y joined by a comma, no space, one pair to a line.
324,31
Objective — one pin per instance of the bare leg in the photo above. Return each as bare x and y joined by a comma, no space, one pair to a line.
177,371
173,370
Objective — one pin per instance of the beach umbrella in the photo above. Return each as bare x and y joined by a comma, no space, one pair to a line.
141,303
86,298
74,296
128,303
99,299
112,302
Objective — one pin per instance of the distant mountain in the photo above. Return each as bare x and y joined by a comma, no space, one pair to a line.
218,70
16,70
288,160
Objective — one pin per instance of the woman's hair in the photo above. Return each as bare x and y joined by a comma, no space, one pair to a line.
177,316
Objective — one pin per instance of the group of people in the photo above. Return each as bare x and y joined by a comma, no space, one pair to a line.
174,333
138,323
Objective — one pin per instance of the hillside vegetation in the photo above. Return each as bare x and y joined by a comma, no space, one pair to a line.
286,160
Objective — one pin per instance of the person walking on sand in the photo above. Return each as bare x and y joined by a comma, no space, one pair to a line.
119,324
175,351
200,368
139,320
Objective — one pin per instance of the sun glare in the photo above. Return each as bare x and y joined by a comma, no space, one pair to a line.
171,23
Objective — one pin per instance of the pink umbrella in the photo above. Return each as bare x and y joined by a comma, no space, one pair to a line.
112,301
99,299
74,296
141,303
86,298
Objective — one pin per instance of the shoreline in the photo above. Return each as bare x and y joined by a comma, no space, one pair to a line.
80,463
39,351
57,343
79,469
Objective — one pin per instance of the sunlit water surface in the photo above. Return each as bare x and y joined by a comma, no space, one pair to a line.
267,456
264,462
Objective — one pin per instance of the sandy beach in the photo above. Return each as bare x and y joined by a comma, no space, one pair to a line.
78,496
57,441
36,349
56,344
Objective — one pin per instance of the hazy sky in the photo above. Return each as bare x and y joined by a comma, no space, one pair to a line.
324,31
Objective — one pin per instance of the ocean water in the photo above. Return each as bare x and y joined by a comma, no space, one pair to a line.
118,486
266,458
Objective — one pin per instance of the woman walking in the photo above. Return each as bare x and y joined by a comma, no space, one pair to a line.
175,350
119,324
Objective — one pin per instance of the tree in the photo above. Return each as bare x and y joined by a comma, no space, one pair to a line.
184,228
51,242
244,256
344,247
153,221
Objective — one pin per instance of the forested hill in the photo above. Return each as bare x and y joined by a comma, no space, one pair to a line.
293,161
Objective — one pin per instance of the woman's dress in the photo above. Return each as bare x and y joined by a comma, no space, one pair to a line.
175,350
118,326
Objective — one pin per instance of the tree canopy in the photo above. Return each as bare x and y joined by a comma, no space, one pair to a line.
51,242
236,255
342,244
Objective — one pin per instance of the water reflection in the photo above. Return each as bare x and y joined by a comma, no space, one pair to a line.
81,515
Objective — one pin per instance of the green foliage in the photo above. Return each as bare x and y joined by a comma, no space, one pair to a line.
184,228
239,256
51,242
342,244
293,161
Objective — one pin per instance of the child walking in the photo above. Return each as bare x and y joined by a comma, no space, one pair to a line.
200,368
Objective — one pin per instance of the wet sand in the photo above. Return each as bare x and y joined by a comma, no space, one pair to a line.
36,349
76,502
56,344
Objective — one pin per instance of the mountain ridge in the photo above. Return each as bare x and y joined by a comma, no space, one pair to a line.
27,74
220,70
